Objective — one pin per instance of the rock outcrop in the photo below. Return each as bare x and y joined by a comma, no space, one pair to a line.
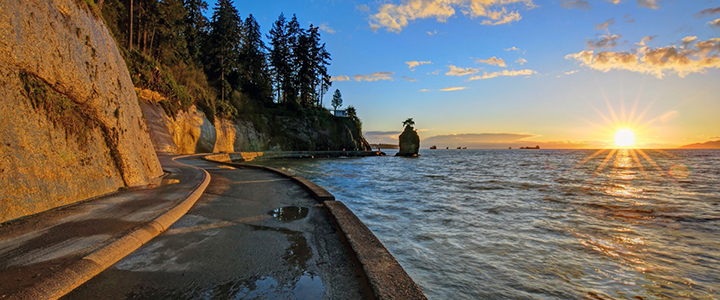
409,142
191,132
72,128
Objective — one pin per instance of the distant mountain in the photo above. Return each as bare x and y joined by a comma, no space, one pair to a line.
705,145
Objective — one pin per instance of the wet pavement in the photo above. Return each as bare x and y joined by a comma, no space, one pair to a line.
37,247
252,235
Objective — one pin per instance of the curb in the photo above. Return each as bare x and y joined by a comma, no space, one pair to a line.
79,272
382,272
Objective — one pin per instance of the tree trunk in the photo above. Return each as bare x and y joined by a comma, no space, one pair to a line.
131,25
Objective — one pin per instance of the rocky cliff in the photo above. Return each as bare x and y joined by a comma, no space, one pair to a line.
191,132
72,128
409,142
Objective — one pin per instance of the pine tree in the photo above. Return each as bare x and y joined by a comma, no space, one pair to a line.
280,56
254,78
223,46
290,78
337,100
196,26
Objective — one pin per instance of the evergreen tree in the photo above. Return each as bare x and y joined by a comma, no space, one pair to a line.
280,56
337,100
196,26
223,46
171,46
290,78
254,78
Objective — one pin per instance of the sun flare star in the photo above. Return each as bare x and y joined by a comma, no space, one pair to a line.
624,138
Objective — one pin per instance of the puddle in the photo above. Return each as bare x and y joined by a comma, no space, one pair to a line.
289,213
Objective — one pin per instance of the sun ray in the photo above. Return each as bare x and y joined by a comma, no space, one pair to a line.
605,161
588,159
633,152
612,111
650,160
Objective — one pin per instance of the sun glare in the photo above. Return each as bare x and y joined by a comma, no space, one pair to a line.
624,138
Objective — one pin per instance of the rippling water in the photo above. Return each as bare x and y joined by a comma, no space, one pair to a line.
529,224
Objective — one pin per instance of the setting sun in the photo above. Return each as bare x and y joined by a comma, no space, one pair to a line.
624,138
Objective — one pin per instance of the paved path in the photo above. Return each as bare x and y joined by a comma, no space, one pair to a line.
47,254
253,234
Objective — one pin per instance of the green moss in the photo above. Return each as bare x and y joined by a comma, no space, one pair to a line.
58,108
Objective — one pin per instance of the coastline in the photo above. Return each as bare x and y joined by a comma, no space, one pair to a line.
381,270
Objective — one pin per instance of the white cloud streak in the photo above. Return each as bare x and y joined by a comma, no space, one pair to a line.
486,75
458,71
493,61
415,63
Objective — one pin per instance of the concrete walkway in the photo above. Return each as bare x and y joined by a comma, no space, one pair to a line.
48,254
253,234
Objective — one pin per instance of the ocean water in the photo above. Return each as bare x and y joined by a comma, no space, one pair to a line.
540,224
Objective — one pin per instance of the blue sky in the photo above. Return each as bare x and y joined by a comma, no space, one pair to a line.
493,74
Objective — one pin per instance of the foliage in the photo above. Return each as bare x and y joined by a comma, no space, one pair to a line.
409,122
337,99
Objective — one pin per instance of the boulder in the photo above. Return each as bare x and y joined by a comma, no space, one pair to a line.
409,142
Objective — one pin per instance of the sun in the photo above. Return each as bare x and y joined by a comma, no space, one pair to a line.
624,138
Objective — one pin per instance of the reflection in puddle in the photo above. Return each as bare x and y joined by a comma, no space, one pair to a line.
289,213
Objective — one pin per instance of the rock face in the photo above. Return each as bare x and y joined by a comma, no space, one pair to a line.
191,132
72,128
409,142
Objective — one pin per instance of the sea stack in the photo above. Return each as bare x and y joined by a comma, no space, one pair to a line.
409,140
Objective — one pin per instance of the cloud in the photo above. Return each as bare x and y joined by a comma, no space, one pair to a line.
426,90
579,4
688,40
571,72
456,88
458,71
708,12
436,72
409,79
658,62
415,63
645,40
339,78
493,61
648,3
503,17
513,48
326,28
395,17
505,140
715,23
374,76
605,41
521,61
431,33
604,25
616,2
363,8
486,75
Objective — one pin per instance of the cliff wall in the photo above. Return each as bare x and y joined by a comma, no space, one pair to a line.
72,128
191,132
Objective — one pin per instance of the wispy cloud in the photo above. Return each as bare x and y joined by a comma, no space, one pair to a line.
577,4
434,32
377,76
683,60
395,17
340,78
521,61
715,23
388,137
486,75
513,48
415,63
605,41
458,71
363,8
326,28
645,40
505,140
648,3
605,25
493,61
409,79
455,88
571,72
425,90
708,12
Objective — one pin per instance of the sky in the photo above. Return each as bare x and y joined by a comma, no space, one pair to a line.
511,73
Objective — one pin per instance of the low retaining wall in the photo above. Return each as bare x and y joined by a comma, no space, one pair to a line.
383,273
250,156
